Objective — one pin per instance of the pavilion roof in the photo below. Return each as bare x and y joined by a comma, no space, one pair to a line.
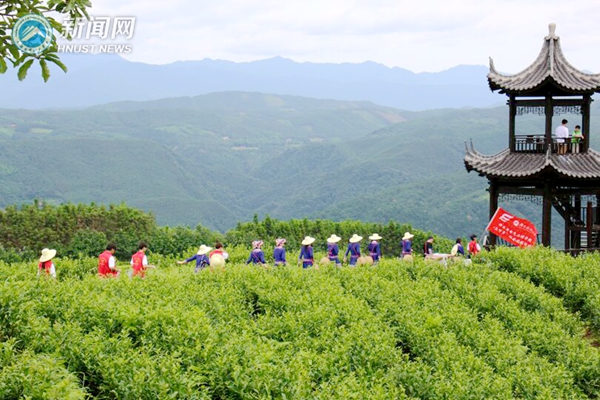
524,165
550,68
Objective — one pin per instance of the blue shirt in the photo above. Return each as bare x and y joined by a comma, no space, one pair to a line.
406,247
306,255
333,250
201,261
374,250
279,255
354,250
256,256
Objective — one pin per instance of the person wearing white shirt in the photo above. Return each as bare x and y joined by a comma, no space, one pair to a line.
562,133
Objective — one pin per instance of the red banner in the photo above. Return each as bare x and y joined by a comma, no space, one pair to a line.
515,230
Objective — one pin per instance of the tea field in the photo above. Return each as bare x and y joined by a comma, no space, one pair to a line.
513,324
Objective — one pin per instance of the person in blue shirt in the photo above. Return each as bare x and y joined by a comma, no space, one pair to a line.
333,250
279,252
458,249
407,246
306,252
200,257
256,255
374,247
353,249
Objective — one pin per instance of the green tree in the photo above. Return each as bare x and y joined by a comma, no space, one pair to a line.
12,10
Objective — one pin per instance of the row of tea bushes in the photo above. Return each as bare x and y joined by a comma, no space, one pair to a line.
396,330
575,280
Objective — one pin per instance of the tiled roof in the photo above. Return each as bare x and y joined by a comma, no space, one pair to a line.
550,65
524,165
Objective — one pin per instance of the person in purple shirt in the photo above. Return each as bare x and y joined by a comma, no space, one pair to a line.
306,252
279,252
374,247
407,246
201,258
333,250
353,249
256,255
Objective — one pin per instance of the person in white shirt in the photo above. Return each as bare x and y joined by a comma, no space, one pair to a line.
562,133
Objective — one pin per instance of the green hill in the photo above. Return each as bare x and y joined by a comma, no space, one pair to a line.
220,158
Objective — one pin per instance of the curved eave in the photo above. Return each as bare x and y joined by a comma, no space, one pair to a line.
550,68
584,166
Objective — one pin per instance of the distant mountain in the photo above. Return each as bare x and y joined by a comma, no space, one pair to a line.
98,79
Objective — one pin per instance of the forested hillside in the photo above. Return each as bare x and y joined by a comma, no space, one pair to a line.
218,159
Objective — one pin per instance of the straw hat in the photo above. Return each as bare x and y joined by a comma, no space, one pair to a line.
333,238
355,238
217,260
407,236
308,240
257,244
204,249
279,242
47,255
375,236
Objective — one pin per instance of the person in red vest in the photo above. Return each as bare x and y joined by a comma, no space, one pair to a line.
139,261
107,264
473,246
46,265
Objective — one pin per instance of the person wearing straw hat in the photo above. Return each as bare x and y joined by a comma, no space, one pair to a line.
353,249
279,252
333,250
107,264
407,246
46,265
256,255
139,261
202,260
374,247
306,252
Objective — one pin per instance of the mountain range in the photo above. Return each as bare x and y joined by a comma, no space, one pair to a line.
104,78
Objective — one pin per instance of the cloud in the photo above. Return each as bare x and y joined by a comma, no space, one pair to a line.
426,35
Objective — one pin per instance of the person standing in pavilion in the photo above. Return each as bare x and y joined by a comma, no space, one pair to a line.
353,250
576,138
562,133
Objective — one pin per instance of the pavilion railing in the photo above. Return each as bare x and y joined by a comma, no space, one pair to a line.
537,144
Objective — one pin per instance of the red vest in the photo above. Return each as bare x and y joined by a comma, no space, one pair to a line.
45,266
103,268
138,264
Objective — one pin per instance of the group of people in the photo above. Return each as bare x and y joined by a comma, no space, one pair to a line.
208,257
306,256
562,135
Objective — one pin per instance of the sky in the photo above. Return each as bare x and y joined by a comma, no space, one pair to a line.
425,35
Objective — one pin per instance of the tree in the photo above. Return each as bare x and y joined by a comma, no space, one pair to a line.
11,12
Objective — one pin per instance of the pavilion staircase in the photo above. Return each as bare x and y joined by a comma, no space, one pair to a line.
582,224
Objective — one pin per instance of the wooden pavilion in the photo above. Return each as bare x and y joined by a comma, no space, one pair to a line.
564,176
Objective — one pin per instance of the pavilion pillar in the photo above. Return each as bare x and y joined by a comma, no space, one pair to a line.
547,215
493,207
512,104
549,114
576,234
585,122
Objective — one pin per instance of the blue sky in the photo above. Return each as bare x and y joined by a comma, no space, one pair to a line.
426,35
